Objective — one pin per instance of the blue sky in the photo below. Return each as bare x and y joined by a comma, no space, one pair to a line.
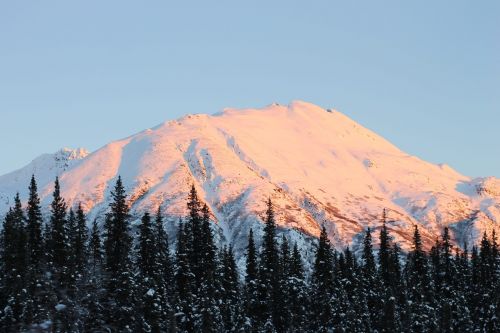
423,74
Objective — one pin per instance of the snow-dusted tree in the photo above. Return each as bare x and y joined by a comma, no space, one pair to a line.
120,284
93,287
322,286
58,249
37,305
79,241
149,299
207,291
163,272
384,254
12,268
184,284
297,293
421,311
251,304
229,290
268,270
282,312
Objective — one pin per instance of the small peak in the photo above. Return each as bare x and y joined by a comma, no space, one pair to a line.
72,154
306,107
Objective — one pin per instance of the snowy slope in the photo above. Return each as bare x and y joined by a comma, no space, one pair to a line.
317,165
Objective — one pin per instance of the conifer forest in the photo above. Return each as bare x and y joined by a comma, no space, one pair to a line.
58,275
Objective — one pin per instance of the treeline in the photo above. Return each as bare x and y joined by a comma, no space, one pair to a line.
58,276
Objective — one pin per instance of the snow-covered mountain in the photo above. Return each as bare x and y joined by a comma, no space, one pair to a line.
317,165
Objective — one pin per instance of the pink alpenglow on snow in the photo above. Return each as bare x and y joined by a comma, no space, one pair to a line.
318,166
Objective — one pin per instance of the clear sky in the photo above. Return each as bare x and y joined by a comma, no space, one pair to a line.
423,74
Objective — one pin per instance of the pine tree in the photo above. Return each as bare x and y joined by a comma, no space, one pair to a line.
193,233
487,319
251,288
398,288
462,316
283,313
36,309
229,290
148,289
93,302
297,293
57,260
322,285
268,271
119,276
71,230
12,258
95,249
163,272
77,276
390,275
372,290
384,254
58,242
421,316
209,309
184,285
79,241
34,226
207,247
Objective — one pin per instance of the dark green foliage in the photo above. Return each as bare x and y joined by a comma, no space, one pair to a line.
322,285
268,288
148,289
184,298
13,267
67,280
229,293
79,238
119,278
251,301
36,310
58,248
296,291
163,273
421,309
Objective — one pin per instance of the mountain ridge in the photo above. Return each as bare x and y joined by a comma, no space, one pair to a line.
318,166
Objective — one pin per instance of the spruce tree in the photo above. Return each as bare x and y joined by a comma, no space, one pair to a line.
94,249
36,310
251,286
184,284
79,240
268,271
193,233
421,310
297,293
486,318
372,289
150,299
283,313
384,254
119,284
207,293
93,302
59,246
163,272
322,285
229,290
13,267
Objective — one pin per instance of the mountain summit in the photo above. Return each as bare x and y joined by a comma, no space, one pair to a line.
318,166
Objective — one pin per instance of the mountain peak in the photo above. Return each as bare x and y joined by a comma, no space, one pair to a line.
318,165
